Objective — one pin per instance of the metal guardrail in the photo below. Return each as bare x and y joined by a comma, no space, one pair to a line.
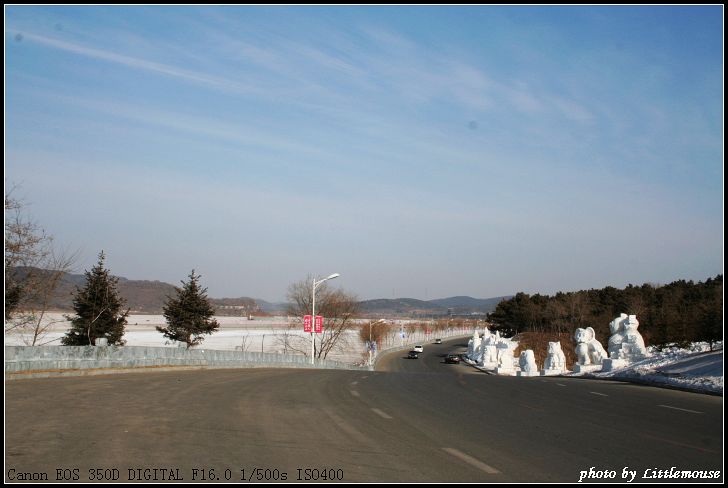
60,359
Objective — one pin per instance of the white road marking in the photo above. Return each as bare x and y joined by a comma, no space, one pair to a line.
353,383
354,392
560,384
381,414
471,460
678,408
597,393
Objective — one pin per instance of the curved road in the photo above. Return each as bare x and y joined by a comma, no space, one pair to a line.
410,421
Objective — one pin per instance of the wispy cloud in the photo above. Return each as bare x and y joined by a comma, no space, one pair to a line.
142,64
499,128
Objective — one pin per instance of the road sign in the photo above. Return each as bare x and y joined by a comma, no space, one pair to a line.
307,323
318,325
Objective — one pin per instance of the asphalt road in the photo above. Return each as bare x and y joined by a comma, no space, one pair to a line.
413,420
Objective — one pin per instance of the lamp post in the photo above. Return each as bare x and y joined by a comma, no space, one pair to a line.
316,283
380,321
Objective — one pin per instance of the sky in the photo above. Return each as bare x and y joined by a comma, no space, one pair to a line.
419,151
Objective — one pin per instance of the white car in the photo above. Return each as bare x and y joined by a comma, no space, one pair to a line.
438,341
418,349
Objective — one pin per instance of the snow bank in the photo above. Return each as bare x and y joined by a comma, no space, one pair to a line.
693,368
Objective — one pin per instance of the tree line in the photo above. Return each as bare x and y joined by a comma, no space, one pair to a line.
677,313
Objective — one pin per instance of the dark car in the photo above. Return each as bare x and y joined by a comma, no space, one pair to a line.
452,359
413,355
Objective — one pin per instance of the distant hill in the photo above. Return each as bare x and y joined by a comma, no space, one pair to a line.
398,306
460,305
464,304
278,308
143,296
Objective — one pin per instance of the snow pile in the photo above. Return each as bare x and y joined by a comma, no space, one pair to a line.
693,368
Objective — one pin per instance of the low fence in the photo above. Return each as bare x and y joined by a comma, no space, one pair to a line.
21,361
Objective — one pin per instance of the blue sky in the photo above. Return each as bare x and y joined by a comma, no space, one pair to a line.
420,152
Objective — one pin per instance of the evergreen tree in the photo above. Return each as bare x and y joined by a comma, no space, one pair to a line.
189,314
99,310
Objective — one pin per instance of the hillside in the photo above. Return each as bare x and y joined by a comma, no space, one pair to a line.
459,305
143,296
463,304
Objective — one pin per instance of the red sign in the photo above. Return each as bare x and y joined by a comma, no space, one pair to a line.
319,324
307,323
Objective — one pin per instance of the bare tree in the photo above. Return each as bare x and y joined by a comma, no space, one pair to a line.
33,270
374,330
245,343
291,341
336,306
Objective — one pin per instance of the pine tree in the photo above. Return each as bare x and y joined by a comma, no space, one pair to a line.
189,314
99,310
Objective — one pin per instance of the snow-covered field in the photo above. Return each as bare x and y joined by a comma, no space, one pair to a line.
263,334
267,334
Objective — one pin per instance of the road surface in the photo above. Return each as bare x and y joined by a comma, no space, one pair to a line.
412,420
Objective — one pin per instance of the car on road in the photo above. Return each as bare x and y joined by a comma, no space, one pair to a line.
413,355
452,359
438,341
419,349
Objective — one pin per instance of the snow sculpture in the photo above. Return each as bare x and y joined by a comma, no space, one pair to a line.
474,345
589,351
555,362
505,349
481,353
634,345
616,328
527,362
489,359
626,344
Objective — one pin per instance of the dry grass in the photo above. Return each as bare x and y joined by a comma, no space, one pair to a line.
539,343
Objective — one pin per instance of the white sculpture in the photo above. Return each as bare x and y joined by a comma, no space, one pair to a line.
527,362
489,357
483,347
588,349
625,344
555,362
474,346
616,328
505,349
633,345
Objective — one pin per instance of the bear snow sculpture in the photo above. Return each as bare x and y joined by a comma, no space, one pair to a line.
556,359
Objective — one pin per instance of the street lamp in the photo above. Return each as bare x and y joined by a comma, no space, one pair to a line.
380,321
316,283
